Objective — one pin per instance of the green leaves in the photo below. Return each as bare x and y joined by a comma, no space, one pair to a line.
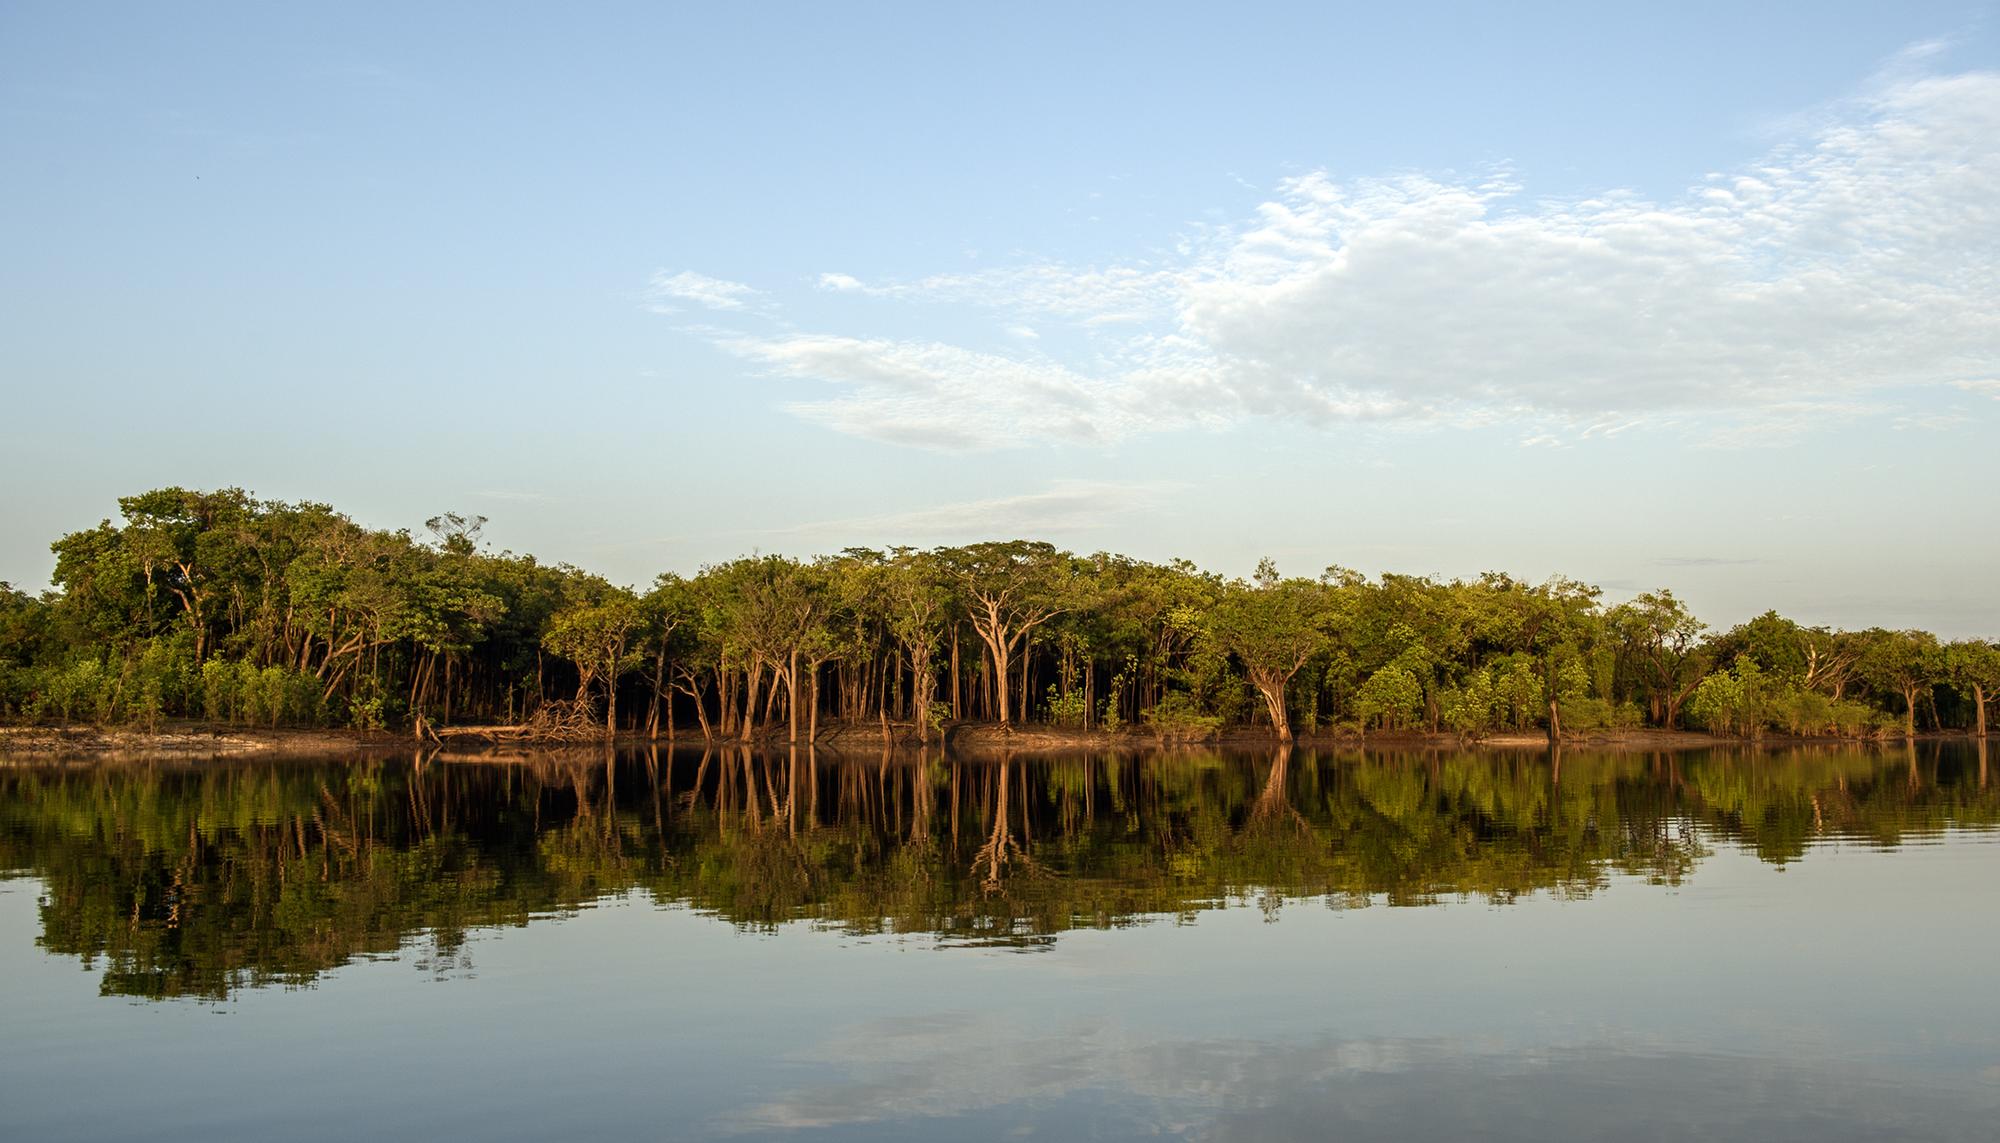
392,628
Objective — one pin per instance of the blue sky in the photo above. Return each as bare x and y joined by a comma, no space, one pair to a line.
1697,295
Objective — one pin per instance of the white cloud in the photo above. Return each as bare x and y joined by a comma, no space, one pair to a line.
688,286
1932,422
1813,283
944,396
847,282
1065,506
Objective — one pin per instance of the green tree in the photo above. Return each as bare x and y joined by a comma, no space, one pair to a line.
1010,588
1274,626
1973,668
1904,663
595,633
1661,638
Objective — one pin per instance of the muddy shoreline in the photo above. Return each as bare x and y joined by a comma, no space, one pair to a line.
196,741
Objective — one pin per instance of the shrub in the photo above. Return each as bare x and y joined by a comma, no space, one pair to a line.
1392,695
1066,710
1176,718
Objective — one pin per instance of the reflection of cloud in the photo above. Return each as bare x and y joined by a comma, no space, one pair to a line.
965,1062
895,1072
1752,307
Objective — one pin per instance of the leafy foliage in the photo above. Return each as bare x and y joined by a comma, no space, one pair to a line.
221,606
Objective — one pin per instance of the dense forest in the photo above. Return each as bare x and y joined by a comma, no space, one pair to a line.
200,880
222,607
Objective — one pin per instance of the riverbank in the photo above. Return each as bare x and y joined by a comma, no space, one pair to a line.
191,741
180,741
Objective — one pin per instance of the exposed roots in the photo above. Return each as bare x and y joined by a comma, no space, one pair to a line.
567,720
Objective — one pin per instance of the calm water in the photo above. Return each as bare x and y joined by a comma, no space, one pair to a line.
1723,946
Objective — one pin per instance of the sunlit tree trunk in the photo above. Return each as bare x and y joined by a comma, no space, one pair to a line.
1271,685
957,709
792,697
753,678
812,732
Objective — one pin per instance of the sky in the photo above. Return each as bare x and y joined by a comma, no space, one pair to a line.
1702,296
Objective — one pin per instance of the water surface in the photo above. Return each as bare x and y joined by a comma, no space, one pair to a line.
1782,945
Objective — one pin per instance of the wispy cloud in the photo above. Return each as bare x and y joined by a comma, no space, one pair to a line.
1064,507
1703,562
667,290
1840,268
513,496
937,395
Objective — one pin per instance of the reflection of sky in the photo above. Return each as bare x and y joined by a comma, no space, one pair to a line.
1846,996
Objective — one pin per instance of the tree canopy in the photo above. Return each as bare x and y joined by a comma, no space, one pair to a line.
221,606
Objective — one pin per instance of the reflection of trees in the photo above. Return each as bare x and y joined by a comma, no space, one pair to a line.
194,881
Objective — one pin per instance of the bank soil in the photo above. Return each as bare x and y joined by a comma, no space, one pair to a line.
965,739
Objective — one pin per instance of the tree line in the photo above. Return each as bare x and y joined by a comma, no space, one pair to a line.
223,607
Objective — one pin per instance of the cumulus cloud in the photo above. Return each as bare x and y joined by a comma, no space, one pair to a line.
1816,282
666,290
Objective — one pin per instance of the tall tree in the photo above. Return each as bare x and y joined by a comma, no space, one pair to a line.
1662,638
1904,663
595,633
915,601
1010,588
1274,626
1973,667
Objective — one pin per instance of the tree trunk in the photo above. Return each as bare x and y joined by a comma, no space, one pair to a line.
1979,710
999,652
1272,687
771,696
754,677
1089,693
1027,657
693,688
659,672
792,698
812,732
957,711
